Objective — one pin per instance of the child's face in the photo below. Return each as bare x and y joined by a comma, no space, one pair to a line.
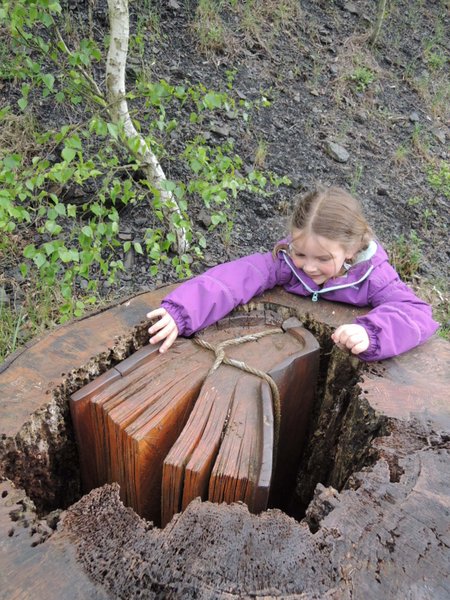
319,257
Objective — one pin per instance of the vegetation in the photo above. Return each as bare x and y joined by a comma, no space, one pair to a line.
78,244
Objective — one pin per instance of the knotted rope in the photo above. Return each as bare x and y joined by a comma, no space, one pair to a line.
221,357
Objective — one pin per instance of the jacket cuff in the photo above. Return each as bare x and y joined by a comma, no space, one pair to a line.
373,351
177,315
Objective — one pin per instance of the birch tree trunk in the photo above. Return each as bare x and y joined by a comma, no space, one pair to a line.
116,95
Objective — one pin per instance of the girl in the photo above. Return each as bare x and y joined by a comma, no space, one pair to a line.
331,253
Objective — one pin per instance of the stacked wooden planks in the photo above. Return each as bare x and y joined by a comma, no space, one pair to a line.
168,431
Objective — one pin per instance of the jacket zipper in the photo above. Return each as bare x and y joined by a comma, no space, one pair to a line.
316,293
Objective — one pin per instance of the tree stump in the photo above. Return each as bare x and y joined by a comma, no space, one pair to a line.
168,430
379,435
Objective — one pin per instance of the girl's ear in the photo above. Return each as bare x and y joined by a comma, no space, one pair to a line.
351,252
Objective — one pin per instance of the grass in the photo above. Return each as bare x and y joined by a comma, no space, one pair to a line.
260,154
362,77
406,256
427,73
25,313
356,178
436,293
28,310
212,36
400,155
17,135
222,26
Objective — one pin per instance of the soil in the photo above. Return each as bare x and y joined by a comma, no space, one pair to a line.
393,128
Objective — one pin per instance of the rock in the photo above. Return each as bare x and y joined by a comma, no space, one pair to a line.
222,130
439,134
382,190
125,236
333,69
351,8
129,260
414,117
4,298
361,117
204,218
337,152
232,115
209,260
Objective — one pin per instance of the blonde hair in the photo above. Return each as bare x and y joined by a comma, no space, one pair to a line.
334,214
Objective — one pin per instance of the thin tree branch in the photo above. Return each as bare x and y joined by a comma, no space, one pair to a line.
116,95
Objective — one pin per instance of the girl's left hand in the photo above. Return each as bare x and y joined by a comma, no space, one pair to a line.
352,337
165,329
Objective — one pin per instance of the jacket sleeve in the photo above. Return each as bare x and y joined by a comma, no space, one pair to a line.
205,299
399,320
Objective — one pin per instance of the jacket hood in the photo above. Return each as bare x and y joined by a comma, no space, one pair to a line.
374,252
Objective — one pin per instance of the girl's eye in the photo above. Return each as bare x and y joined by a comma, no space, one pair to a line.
324,258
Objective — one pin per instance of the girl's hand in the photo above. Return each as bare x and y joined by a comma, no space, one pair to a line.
164,329
352,337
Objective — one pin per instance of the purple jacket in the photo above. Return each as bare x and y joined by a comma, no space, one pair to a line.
398,321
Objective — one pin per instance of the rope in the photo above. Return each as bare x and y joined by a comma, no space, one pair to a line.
221,357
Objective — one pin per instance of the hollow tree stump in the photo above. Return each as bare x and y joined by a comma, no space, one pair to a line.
168,431
385,534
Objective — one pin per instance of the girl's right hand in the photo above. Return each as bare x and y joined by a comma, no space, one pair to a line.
165,328
351,336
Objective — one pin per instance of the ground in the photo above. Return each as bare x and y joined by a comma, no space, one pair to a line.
315,81
389,129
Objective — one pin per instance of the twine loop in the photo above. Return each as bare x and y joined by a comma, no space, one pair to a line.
222,358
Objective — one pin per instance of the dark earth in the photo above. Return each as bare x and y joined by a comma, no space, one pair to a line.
311,65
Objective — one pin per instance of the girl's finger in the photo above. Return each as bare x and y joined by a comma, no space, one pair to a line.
163,322
156,313
161,332
359,347
364,344
352,340
168,341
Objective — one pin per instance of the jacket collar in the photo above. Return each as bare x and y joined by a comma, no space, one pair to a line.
365,262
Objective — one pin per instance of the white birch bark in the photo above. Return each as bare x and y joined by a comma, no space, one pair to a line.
115,89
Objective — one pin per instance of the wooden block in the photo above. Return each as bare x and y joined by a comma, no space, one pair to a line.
108,389
225,452
138,358
79,404
147,441
188,465
296,379
166,435
236,472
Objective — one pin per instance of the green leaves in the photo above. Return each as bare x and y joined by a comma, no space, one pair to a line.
213,100
68,154
79,243
49,81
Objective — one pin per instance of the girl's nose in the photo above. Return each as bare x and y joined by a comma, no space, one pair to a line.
308,267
